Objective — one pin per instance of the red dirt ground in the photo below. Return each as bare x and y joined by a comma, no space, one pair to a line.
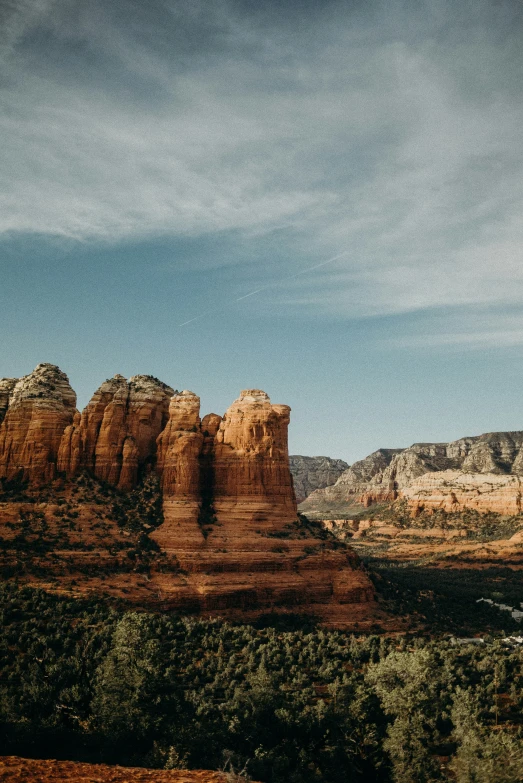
14,769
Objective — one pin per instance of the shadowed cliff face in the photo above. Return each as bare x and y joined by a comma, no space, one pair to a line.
6,387
40,406
311,473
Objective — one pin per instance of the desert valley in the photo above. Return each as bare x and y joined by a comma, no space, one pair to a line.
261,441
139,528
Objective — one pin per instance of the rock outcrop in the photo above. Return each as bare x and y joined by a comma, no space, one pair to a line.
115,436
354,484
384,475
311,473
41,405
251,461
239,544
180,448
228,540
454,491
6,388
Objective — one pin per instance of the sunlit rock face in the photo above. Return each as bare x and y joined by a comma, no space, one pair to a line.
39,408
237,538
453,491
387,474
115,436
251,464
230,540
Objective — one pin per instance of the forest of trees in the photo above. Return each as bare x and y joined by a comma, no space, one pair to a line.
86,680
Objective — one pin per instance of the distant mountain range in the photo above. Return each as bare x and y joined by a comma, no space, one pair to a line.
386,474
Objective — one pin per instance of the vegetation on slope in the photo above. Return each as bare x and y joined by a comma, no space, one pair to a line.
89,681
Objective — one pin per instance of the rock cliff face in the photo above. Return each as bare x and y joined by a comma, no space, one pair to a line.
6,387
41,405
230,540
453,491
115,436
385,475
239,544
311,473
251,461
354,483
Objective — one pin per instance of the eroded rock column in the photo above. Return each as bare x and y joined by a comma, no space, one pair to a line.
115,437
40,407
251,462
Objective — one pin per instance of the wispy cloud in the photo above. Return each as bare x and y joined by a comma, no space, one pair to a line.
389,132
469,328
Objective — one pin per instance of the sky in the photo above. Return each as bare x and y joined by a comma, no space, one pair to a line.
322,200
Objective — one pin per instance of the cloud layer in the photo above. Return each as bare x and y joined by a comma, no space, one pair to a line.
388,130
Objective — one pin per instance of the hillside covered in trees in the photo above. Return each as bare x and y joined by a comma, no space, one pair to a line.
86,680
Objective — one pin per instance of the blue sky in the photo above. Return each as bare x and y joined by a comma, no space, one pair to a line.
324,200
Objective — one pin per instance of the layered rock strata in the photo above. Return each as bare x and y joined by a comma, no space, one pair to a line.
230,538
6,388
385,474
454,491
115,436
179,453
311,473
40,407
251,461
239,545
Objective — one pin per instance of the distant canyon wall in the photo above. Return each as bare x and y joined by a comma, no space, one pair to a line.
451,476
311,473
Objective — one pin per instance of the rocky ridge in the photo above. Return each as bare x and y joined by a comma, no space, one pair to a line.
311,473
115,436
40,406
387,473
230,534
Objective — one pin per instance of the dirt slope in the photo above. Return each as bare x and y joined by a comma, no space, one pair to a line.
14,769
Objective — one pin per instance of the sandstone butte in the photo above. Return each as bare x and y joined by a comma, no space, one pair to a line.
481,473
230,515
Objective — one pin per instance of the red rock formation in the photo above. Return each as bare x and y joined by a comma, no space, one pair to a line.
251,464
210,426
179,450
116,434
237,539
6,388
231,539
41,406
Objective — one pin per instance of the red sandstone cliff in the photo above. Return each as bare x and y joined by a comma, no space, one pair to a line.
116,434
179,452
231,540
252,473
41,405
